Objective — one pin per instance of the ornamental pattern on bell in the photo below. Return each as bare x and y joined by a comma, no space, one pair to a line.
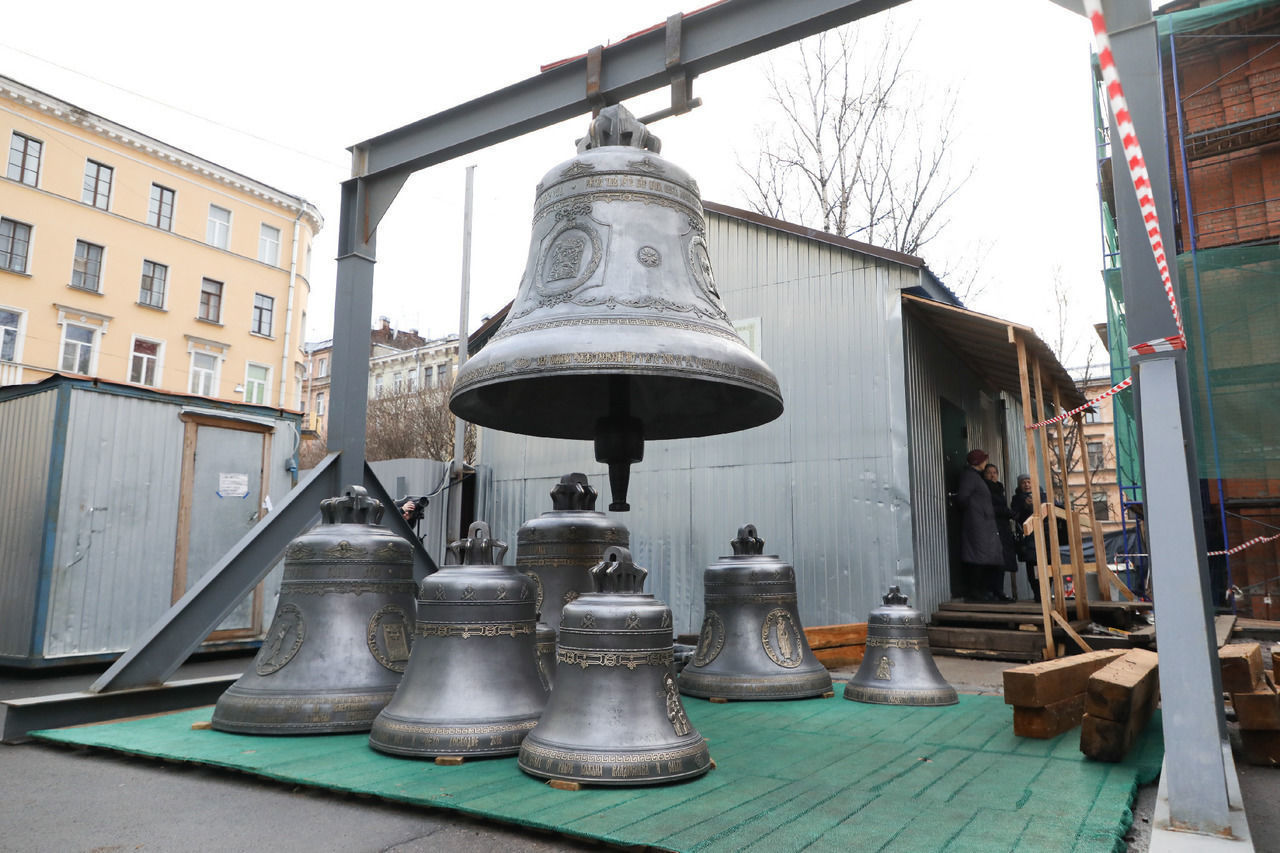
675,709
781,639
710,639
389,637
288,630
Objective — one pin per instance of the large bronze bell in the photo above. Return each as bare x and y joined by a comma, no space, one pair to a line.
615,716
558,548
752,645
617,332
472,687
897,668
341,634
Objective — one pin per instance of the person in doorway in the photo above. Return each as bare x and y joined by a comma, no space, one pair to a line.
1004,517
981,555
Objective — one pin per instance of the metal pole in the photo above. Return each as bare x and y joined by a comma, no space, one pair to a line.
460,426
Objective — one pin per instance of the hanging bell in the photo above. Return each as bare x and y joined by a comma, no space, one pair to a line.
472,687
752,645
615,716
897,668
617,332
341,634
558,548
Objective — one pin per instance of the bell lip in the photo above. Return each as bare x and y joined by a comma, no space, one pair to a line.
944,696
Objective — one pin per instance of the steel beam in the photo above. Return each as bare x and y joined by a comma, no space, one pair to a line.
1194,727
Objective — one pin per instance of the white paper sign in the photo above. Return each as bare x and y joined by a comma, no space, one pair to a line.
233,485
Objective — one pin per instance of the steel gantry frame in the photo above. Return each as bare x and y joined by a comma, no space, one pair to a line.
673,55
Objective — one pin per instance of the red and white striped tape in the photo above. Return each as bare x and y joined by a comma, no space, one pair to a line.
1138,173
1104,395
1257,540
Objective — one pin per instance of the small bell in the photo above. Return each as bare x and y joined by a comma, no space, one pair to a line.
472,687
897,668
558,548
617,333
341,634
615,716
752,645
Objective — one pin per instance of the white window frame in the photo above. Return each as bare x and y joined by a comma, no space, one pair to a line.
217,228
263,396
92,344
80,266
271,316
158,359
99,323
322,367
268,246
202,346
19,335
92,201
320,404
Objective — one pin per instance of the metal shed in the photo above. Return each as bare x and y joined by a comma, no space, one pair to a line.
850,483
116,499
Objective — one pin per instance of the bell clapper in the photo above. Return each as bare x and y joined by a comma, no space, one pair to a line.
619,441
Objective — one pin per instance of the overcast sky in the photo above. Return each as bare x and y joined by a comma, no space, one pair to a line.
278,91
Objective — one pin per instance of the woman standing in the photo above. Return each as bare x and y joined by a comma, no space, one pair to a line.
1000,506
981,555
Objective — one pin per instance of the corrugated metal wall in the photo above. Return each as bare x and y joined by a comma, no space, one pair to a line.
827,483
403,477
933,372
26,439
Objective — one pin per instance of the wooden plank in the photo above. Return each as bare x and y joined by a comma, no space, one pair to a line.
1111,740
1261,747
1123,685
1035,453
1241,667
1039,684
1071,632
831,636
1109,607
996,639
1055,551
1222,626
1257,629
1258,711
1051,720
989,654
1099,549
961,617
840,655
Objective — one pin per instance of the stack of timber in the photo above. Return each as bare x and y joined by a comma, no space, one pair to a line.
1119,699
838,645
1048,698
1254,698
1015,631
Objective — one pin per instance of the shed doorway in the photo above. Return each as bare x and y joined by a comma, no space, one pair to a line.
955,446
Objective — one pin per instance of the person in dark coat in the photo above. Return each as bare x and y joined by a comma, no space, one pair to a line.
1023,507
981,554
1004,517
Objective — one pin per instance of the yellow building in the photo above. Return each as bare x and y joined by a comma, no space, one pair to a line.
127,259
1099,451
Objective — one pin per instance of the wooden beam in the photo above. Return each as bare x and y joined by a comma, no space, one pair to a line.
1033,469
1059,602
1073,521
1071,632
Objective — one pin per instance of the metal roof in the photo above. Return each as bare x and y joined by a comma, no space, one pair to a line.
986,344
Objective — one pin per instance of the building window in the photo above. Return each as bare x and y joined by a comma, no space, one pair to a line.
160,213
219,231
322,369
263,307
1101,509
9,325
15,245
1093,416
269,245
77,348
154,278
256,379
24,159
320,404
97,184
143,365
397,382
86,272
412,380
204,374
210,301
1094,449
377,385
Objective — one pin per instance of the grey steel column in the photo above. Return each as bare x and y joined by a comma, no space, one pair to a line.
1194,727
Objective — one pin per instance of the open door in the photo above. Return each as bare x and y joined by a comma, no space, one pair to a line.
955,447
225,474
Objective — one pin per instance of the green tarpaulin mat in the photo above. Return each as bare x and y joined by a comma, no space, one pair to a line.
820,774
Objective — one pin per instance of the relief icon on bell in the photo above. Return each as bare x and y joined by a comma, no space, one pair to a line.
752,644
617,332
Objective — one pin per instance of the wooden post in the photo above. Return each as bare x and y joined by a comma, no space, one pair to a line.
1055,551
1033,471
1106,578
1073,519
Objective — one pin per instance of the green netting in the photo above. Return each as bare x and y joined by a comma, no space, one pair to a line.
1128,460
1198,19
816,775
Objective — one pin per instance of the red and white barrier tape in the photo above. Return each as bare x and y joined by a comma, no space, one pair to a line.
1138,173
1104,395
1254,541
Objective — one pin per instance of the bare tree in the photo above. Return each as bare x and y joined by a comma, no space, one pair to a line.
416,424
852,154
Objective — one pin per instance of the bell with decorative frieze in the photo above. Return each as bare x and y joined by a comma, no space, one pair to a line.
615,716
752,645
897,668
558,548
342,631
472,687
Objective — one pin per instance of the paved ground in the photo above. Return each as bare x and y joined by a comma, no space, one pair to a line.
59,800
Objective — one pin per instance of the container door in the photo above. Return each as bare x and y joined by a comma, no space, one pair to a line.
224,480
955,447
